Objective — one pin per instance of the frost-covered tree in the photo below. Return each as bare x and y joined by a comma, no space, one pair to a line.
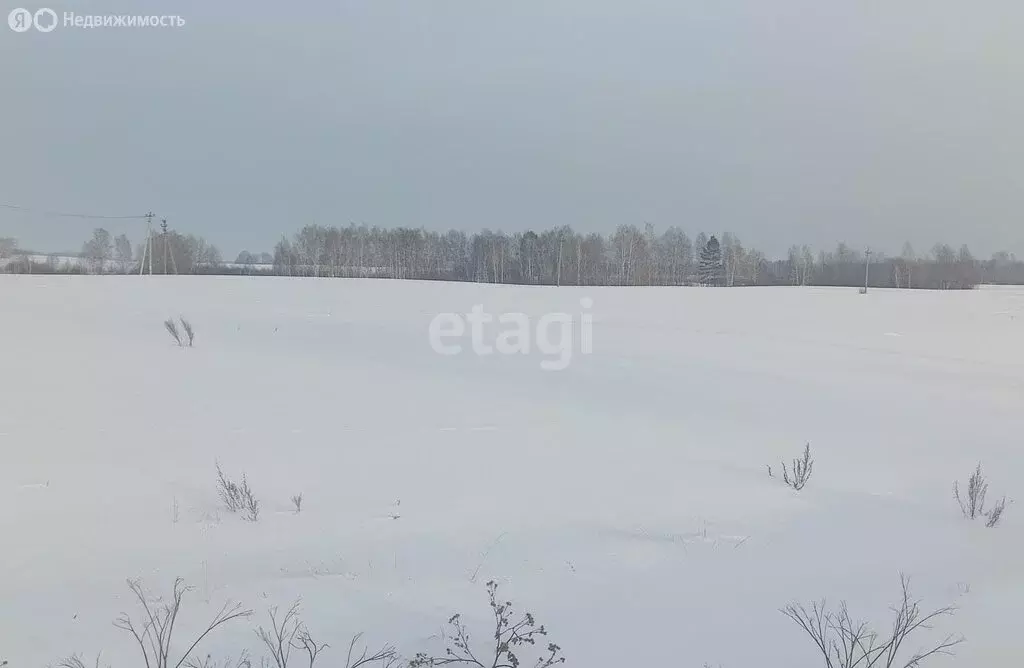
7,247
123,253
98,250
678,253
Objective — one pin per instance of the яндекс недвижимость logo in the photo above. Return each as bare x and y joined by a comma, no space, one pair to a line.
22,20
45,20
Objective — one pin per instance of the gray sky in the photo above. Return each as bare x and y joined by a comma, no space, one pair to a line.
783,121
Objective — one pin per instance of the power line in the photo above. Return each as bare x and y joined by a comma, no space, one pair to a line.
62,214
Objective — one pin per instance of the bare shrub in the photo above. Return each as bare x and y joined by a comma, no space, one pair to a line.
801,471
484,555
297,502
172,329
993,516
972,504
280,639
977,487
846,643
230,493
73,661
237,497
509,638
154,634
387,656
290,645
291,634
251,508
189,332
242,662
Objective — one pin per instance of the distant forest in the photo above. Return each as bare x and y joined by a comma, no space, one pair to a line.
561,256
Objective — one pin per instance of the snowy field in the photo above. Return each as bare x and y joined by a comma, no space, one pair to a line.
624,501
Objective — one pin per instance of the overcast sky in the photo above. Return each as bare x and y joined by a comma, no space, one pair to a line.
783,121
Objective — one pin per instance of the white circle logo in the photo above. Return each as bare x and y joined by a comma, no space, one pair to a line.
45,20
20,19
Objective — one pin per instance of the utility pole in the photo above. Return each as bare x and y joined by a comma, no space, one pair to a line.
163,234
148,248
867,266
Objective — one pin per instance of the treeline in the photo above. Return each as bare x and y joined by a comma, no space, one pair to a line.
628,256
166,252
560,256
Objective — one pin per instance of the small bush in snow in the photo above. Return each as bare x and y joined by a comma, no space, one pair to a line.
154,633
189,332
172,329
846,643
230,493
508,639
287,635
291,634
251,509
972,504
237,497
297,503
801,471
73,661
993,516
242,662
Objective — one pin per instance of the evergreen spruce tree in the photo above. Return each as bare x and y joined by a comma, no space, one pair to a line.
710,270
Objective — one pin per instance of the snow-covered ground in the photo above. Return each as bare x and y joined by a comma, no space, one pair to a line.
624,501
